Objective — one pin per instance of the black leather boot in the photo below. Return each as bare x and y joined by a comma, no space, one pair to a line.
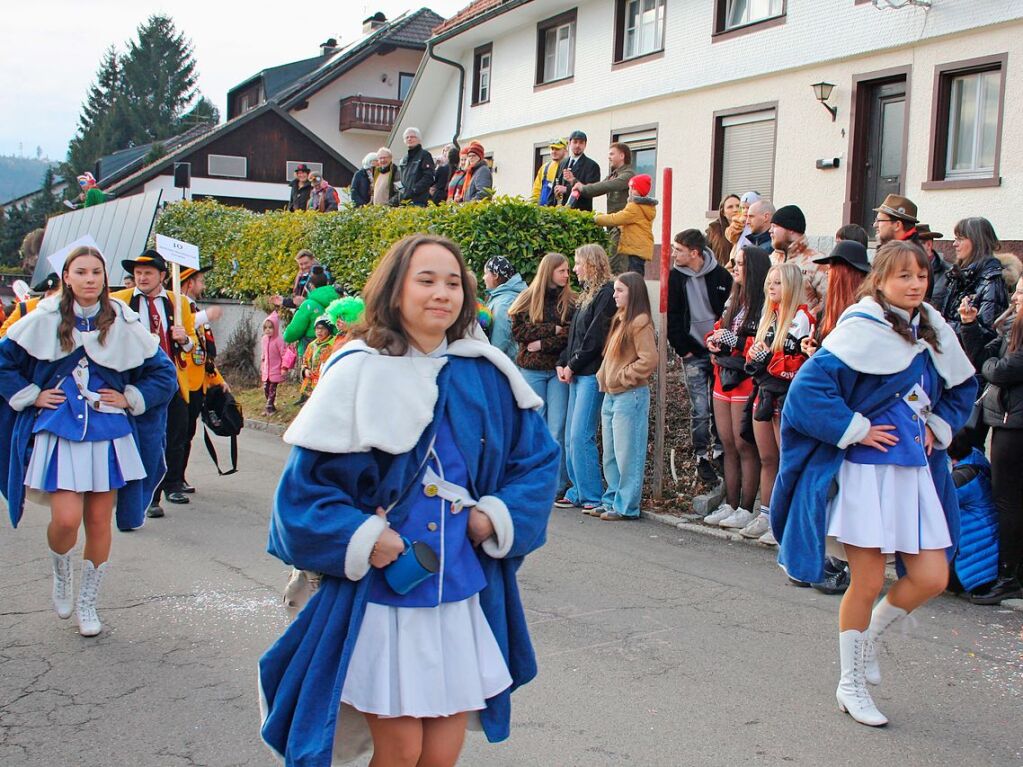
1006,587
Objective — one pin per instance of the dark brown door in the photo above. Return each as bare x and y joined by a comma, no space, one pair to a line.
885,150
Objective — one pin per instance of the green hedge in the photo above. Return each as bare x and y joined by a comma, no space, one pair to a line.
254,253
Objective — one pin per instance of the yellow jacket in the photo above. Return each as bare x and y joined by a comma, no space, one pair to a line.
636,220
187,321
551,169
195,361
16,314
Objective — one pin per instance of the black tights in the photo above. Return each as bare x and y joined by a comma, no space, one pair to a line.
1007,485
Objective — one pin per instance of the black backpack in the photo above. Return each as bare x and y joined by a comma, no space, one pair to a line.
222,415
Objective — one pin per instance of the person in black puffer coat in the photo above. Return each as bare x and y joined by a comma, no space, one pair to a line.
362,181
416,170
976,276
1001,364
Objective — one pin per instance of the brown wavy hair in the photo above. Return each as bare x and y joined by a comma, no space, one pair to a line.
890,257
532,299
381,325
104,319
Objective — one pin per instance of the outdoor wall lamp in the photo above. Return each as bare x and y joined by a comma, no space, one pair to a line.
822,91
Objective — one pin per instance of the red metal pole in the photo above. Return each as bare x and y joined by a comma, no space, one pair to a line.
662,339
665,239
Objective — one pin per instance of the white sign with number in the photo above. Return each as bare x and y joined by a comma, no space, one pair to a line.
178,252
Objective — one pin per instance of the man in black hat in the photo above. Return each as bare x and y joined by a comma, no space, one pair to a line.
155,306
576,167
300,189
788,236
201,367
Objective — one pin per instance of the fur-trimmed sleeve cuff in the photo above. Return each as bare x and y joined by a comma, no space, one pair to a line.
360,547
499,544
136,402
858,428
941,430
24,398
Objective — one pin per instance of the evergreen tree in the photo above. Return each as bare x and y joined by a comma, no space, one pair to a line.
204,112
46,203
159,77
102,126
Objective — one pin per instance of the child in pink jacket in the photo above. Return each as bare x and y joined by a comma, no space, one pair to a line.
271,367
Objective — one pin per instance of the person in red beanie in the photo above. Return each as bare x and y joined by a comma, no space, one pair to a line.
636,222
479,181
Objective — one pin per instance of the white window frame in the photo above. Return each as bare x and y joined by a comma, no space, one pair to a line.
209,166
483,91
654,45
984,91
558,61
774,9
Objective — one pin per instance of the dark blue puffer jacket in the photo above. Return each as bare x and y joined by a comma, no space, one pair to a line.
976,562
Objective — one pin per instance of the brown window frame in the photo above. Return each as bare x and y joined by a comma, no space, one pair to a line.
717,146
720,33
618,54
944,74
478,54
568,17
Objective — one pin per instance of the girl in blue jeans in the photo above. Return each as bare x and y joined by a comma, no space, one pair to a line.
630,358
540,319
577,367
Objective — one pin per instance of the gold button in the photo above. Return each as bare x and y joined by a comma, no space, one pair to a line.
432,527
915,418
431,490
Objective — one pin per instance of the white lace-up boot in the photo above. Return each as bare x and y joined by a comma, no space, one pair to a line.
885,614
88,593
63,584
852,694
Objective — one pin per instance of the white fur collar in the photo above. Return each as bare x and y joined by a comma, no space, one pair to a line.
374,401
128,343
871,346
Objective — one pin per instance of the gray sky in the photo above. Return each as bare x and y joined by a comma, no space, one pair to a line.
50,50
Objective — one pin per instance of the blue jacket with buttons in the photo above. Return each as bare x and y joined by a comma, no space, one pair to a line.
156,380
322,500
824,396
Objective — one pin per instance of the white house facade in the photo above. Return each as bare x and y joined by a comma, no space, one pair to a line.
721,92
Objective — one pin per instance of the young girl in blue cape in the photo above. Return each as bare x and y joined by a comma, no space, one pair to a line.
85,389
416,434
863,465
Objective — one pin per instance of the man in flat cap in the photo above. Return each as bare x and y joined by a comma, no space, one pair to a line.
155,306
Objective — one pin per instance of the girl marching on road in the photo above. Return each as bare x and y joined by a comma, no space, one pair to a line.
417,503
873,412
85,389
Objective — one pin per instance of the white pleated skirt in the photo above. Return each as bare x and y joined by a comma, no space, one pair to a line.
61,464
891,508
424,661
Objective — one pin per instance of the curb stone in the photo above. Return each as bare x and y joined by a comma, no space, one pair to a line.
266,426
690,523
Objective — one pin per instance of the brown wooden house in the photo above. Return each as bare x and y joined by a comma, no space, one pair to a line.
247,161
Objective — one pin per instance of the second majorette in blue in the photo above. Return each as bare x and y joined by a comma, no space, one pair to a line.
864,472
416,434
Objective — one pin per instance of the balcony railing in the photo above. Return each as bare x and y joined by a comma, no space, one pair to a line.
366,113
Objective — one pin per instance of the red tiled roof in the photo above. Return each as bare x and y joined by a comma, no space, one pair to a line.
470,11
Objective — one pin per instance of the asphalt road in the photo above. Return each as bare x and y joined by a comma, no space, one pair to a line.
656,647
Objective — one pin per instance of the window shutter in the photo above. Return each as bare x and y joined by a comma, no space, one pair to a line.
748,156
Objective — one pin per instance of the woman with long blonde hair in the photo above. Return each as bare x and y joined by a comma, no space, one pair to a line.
773,359
540,319
578,367
89,388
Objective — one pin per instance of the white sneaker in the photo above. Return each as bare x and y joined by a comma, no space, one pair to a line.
757,527
768,539
723,511
738,520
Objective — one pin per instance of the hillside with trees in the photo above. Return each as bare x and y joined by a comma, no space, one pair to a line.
21,175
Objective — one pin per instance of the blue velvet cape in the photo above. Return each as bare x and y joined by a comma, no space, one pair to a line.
818,409
323,498
156,380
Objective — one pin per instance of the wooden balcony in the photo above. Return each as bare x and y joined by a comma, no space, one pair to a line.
367,113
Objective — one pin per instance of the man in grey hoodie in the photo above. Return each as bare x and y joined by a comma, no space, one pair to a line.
697,290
